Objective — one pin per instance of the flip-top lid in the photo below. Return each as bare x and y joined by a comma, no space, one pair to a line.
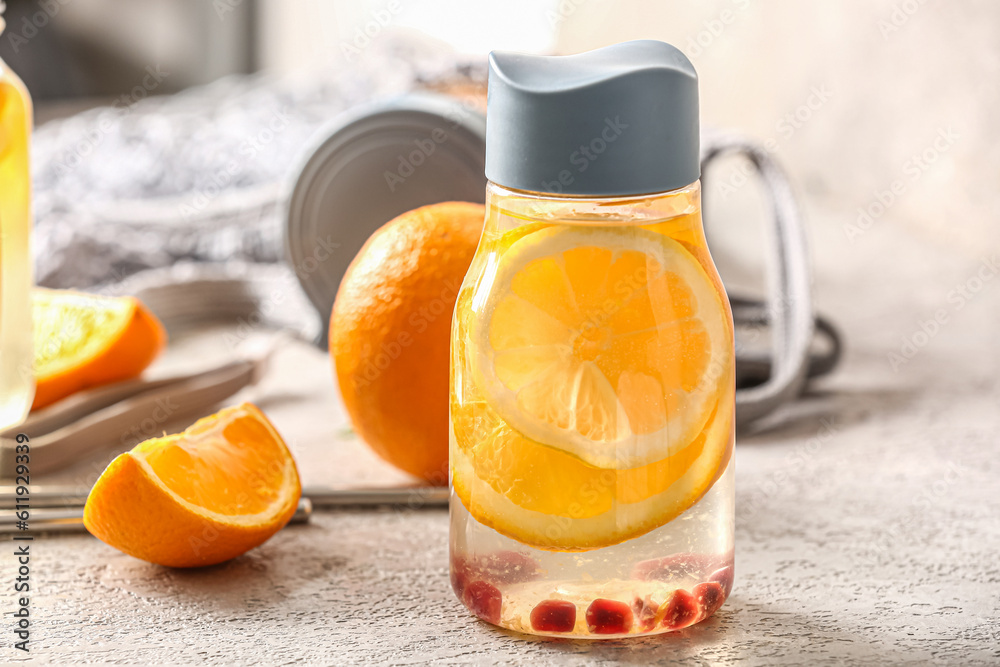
621,120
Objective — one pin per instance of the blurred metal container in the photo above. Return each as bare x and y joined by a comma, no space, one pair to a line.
368,166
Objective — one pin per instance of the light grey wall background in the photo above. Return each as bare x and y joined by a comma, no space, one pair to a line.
894,78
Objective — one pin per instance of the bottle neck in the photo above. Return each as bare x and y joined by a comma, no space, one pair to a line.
633,209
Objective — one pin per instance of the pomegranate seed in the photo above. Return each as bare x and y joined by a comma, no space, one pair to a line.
710,597
553,616
645,613
724,577
500,568
484,600
609,617
682,610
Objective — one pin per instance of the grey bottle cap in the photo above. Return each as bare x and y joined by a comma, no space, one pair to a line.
622,120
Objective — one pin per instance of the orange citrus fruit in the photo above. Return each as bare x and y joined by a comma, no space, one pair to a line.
220,488
600,363
390,333
86,340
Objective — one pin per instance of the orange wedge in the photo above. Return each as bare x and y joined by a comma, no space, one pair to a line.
220,488
85,340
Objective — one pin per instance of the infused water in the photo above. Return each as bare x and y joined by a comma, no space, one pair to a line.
592,417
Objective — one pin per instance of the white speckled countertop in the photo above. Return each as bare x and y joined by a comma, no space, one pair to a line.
868,521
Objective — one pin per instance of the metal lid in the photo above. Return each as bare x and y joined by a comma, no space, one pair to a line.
622,120
370,165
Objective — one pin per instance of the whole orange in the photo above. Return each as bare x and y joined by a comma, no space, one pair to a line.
390,332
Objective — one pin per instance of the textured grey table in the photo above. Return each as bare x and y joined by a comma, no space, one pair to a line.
867,529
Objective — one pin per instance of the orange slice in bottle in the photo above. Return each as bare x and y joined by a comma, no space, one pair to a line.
608,344
220,488
550,500
605,361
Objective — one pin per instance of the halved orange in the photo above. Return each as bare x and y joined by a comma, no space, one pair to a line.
220,488
85,340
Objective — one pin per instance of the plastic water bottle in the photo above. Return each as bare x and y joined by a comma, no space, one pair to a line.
592,389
